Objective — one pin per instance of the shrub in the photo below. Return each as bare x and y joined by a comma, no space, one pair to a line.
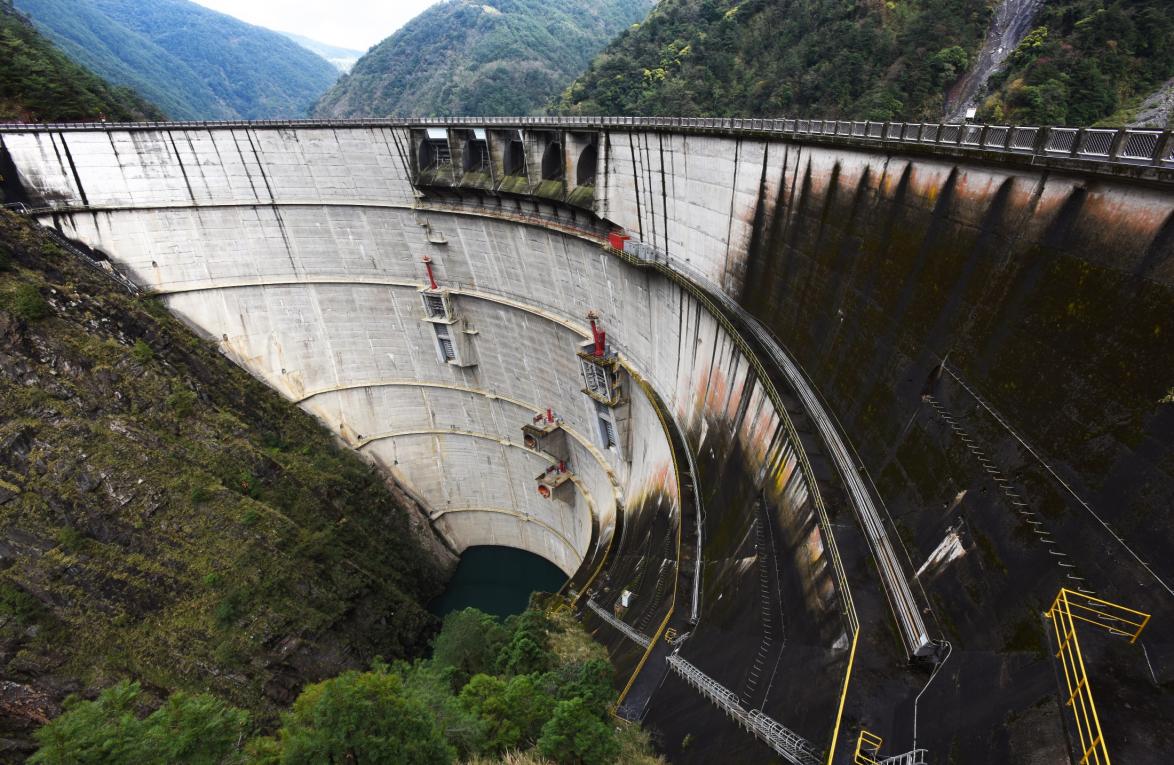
26,302
197,729
142,352
467,645
361,717
70,538
18,605
229,609
574,736
513,711
181,401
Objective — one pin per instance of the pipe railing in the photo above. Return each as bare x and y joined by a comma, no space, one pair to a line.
1125,146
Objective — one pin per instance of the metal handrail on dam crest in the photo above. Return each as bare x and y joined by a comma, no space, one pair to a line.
1126,147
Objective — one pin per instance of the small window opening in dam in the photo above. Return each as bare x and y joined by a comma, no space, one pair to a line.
515,158
497,580
552,162
476,156
434,153
585,169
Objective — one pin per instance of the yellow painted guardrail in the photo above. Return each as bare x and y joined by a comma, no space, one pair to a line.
1069,608
867,748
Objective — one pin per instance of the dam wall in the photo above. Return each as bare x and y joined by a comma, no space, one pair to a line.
996,341
301,254
991,340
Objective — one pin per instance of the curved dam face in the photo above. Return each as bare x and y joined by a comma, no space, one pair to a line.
852,409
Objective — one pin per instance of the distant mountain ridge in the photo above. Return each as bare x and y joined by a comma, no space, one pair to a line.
342,58
193,62
493,57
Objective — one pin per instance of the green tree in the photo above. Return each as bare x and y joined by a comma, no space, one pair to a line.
467,644
361,717
574,736
949,63
432,688
527,651
197,729
513,711
592,682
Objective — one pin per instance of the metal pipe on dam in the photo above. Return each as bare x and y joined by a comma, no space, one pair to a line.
861,409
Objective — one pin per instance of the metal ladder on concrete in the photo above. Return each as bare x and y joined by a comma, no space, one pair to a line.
786,743
1030,517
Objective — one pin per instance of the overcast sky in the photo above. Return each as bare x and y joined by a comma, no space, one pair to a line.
357,24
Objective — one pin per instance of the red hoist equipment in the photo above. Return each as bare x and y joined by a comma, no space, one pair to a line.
597,334
428,267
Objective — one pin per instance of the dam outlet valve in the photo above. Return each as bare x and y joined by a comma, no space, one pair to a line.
555,483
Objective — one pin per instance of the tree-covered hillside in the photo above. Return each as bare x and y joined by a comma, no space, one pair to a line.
532,691
166,518
891,60
490,57
194,63
39,83
1085,61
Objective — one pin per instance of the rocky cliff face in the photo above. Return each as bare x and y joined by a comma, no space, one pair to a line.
164,516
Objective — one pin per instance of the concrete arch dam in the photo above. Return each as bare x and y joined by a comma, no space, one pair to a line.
845,417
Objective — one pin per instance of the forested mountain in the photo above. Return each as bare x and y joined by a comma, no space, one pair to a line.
191,61
1084,61
490,57
39,83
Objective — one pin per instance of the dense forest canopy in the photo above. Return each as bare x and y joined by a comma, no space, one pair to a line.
1084,62
1087,60
39,83
498,57
193,62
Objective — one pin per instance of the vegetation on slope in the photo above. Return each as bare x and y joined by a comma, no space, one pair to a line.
1086,60
766,57
534,690
166,518
892,60
191,61
489,57
39,83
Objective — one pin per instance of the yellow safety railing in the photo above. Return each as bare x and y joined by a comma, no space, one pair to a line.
867,748
1069,608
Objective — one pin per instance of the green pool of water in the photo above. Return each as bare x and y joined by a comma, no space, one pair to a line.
498,581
